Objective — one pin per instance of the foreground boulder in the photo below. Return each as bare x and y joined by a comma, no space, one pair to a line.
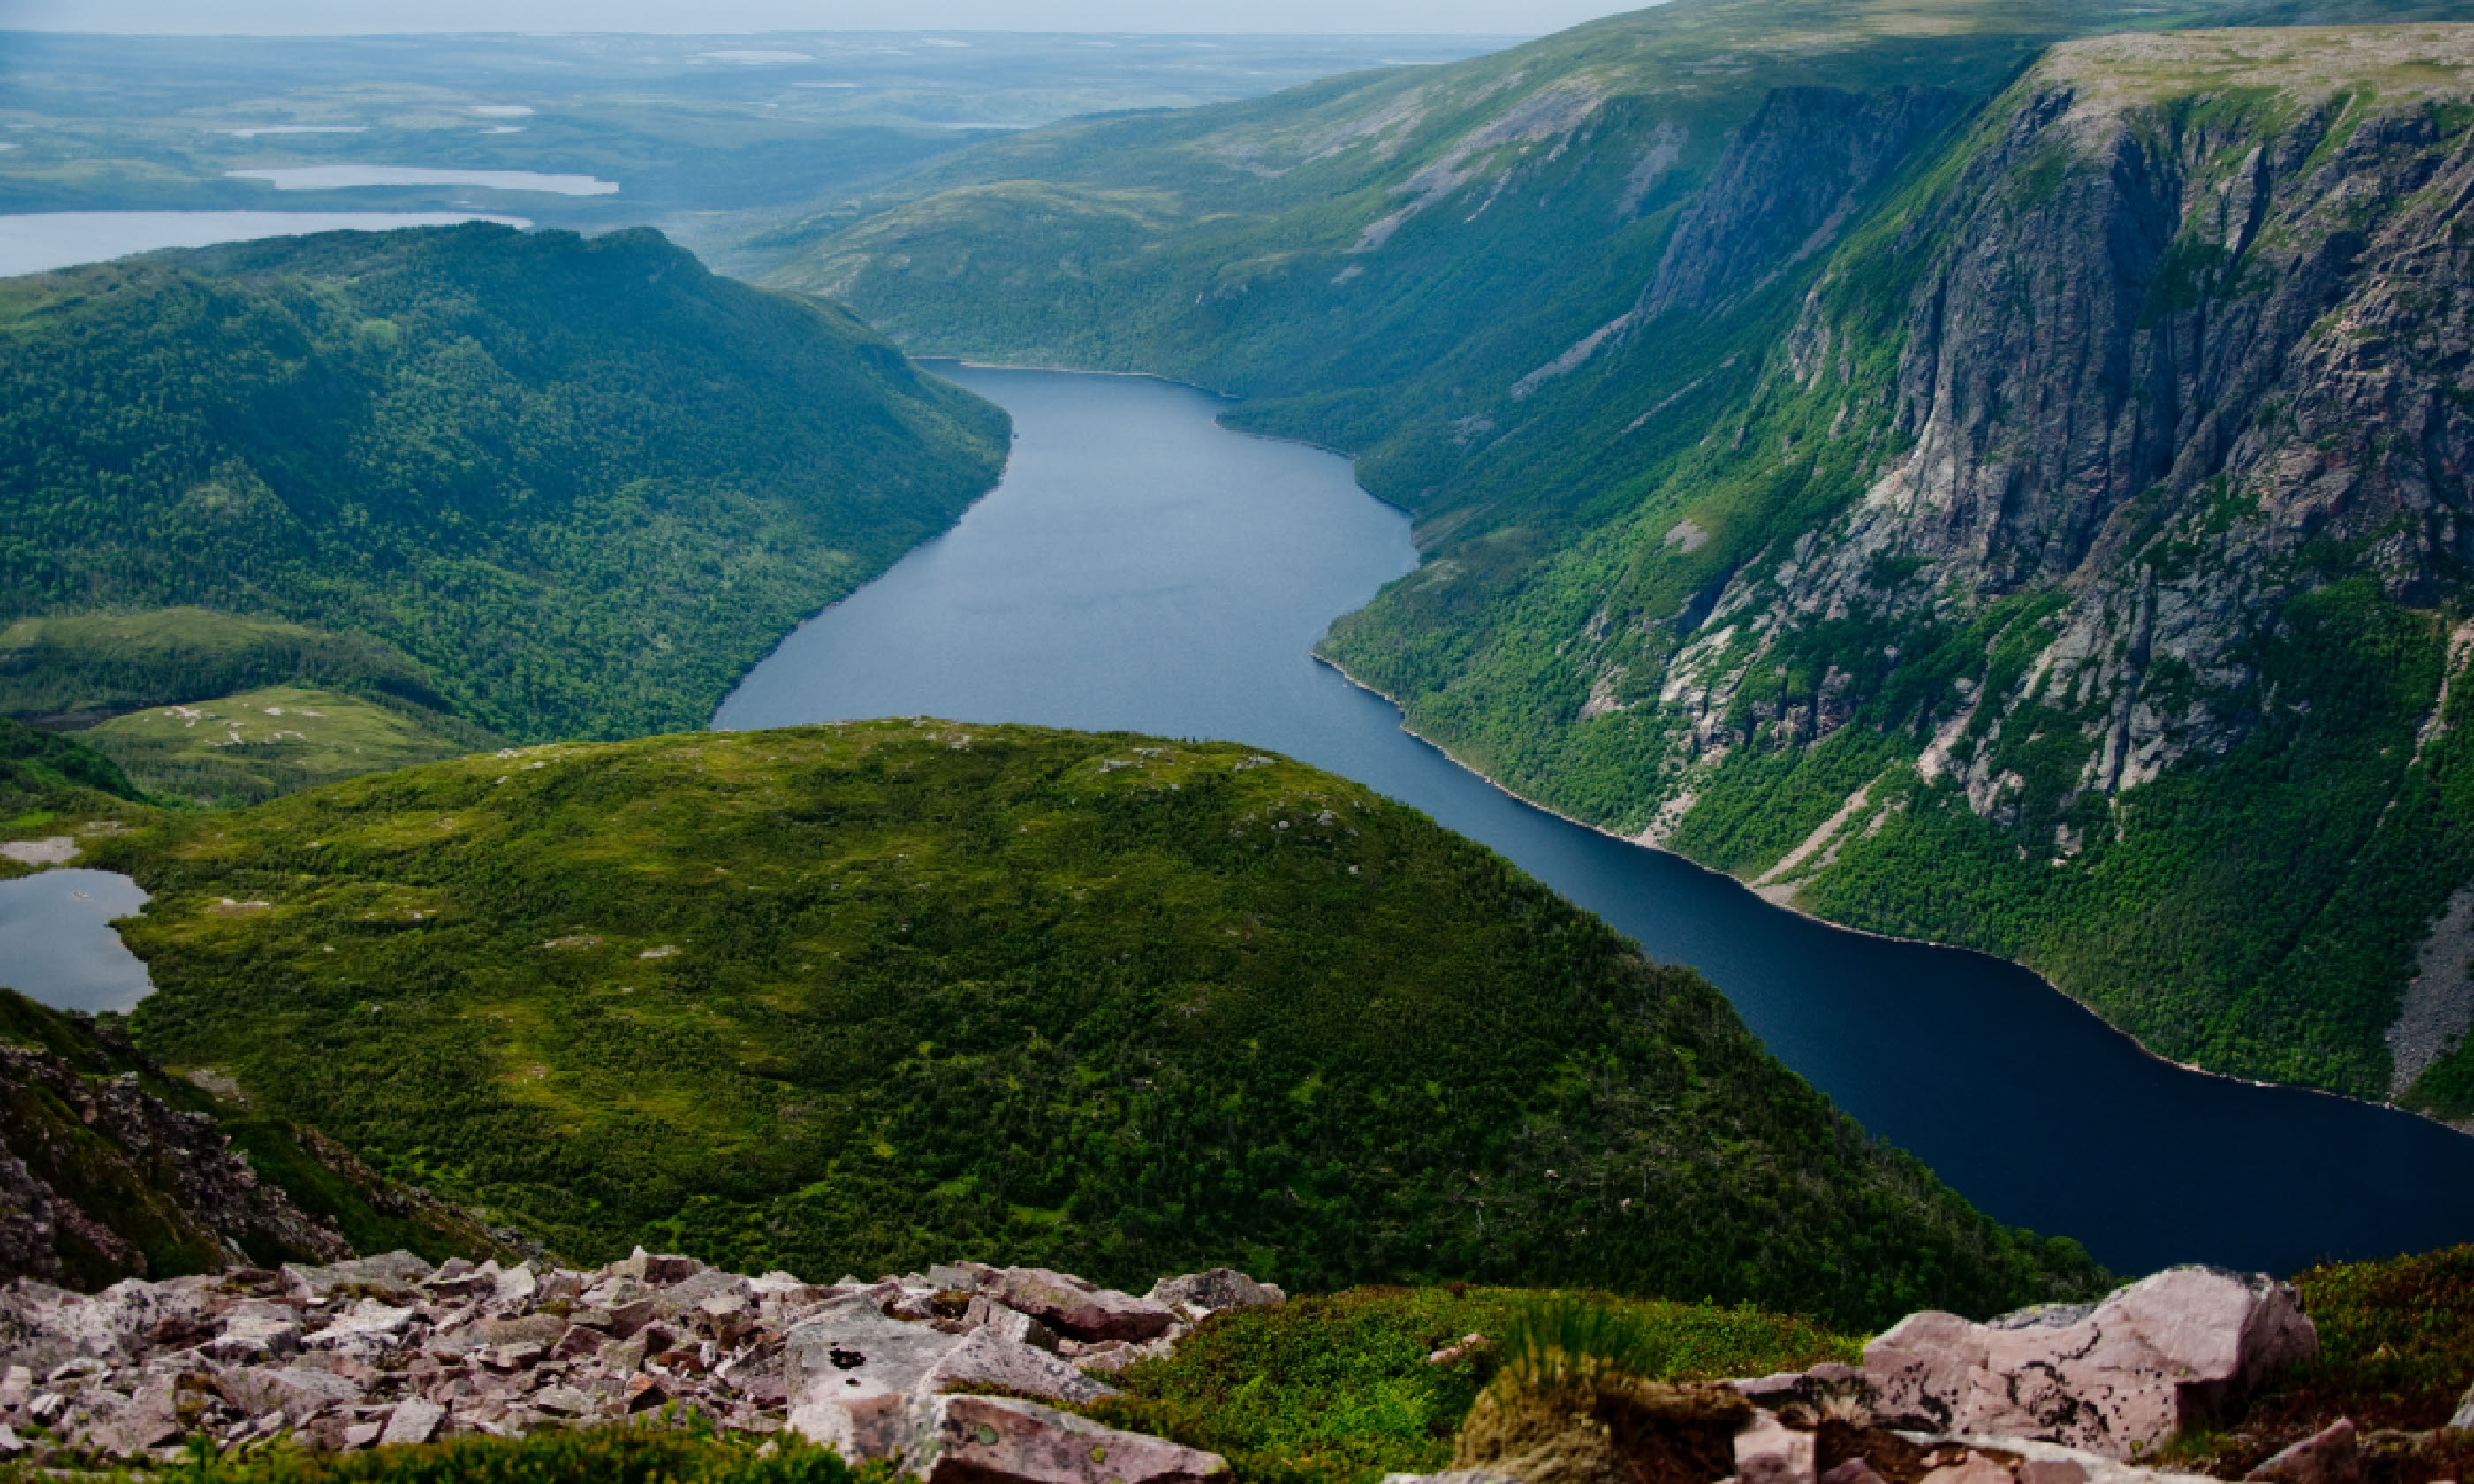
2118,1378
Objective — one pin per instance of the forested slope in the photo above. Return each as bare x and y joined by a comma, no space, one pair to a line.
552,485
849,997
1806,399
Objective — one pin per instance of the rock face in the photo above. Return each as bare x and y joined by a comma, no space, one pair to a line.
1789,183
2132,437
96,1172
2179,1350
389,1349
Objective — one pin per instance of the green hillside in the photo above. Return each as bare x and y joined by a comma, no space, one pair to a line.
2011,501
554,486
859,997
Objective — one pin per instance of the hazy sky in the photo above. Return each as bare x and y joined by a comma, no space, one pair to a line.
1518,18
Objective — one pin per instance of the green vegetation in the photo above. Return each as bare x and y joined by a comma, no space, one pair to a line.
73,670
2396,1351
857,997
1456,274
52,786
253,747
1337,1388
557,486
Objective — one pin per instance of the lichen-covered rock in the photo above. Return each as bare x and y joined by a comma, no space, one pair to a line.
1196,1294
2175,1351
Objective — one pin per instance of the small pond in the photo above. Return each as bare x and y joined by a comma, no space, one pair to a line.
58,944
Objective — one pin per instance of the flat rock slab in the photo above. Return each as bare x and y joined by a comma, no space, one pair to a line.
852,1340
986,1358
984,1440
389,1272
1073,1307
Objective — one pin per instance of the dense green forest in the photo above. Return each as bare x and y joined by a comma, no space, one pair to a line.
554,486
1668,330
859,997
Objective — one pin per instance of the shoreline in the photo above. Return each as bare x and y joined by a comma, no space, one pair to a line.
2143,1048
1789,907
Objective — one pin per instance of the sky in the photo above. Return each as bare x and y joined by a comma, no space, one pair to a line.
329,18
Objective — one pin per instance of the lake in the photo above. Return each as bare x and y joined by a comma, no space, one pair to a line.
331,177
56,943
37,242
1142,569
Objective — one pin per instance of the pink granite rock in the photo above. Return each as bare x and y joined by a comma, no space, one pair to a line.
2117,1379
985,1358
1769,1453
2330,1456
856,1416
1070,1306
997,1440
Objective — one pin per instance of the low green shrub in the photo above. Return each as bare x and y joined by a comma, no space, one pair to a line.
1339,1390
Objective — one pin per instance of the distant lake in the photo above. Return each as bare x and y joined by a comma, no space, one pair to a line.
42,241
1142,569
56,943
332,178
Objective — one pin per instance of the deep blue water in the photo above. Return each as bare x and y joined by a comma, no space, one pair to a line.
1142,569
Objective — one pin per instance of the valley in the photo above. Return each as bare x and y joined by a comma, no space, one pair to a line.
1763,523
1767,686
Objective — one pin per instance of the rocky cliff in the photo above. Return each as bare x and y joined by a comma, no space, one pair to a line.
111,1170
2080,575
1975,489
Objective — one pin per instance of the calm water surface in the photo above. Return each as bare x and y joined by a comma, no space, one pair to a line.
328,177
1142,569
37,242
56,943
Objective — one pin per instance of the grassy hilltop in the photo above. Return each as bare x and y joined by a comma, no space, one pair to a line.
864,996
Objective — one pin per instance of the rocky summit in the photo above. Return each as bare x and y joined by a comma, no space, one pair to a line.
390,1350
973,1373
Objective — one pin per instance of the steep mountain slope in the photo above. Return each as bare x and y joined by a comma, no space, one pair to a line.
1378,259
2079,578
2126,393
108,1170
842,997
557,486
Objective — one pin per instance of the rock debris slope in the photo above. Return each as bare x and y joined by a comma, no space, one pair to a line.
390,1349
